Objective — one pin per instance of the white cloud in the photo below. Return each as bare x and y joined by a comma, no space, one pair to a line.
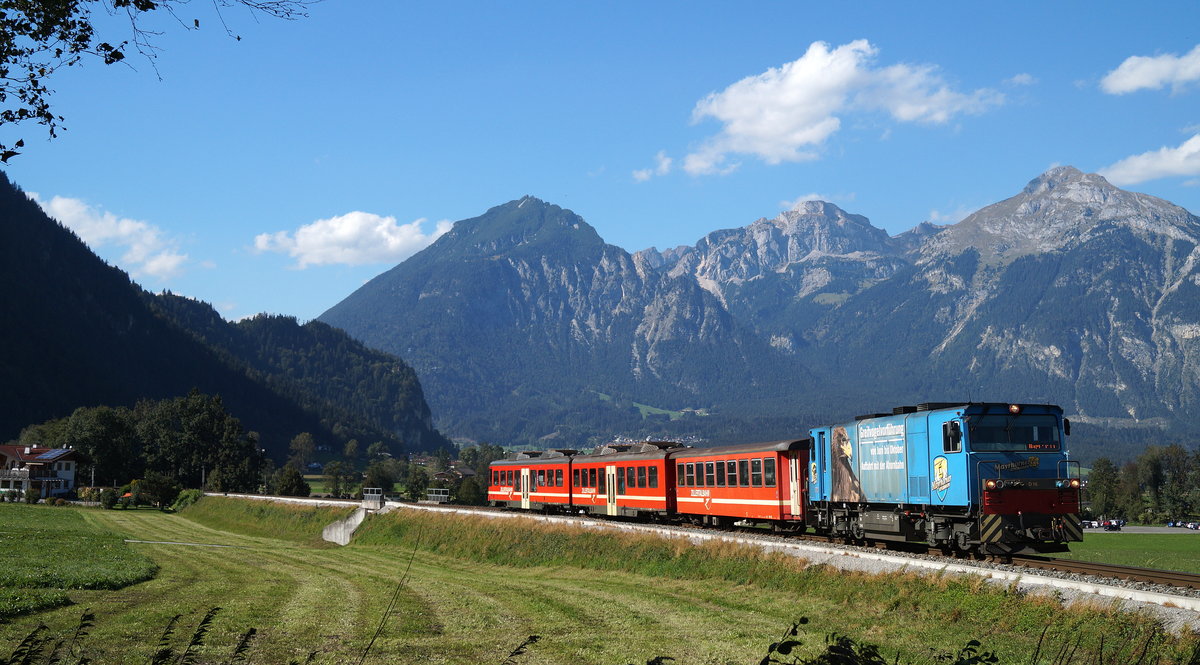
786,113
788,205
355,238
952,217
149,251
1141,72
1021,79
662,166
1183,160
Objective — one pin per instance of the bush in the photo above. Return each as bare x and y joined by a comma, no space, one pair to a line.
187,498
108,498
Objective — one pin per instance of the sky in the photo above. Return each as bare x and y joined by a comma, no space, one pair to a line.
280,171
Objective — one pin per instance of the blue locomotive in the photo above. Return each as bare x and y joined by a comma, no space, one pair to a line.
983,478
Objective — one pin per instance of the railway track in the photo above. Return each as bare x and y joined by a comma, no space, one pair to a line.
1128,573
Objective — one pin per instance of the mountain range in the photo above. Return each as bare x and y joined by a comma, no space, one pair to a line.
524,326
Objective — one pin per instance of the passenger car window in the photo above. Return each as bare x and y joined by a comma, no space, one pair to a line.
769,471
756,473
558,477
744,473
710,474
721,474
731,469
654,476
630,477
575,477
641,476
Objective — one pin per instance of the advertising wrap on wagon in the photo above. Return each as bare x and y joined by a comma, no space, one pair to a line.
882,467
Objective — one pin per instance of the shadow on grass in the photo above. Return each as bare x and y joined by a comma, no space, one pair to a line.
39,647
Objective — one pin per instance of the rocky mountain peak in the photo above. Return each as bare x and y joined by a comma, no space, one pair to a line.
823,228
527,225
1061,208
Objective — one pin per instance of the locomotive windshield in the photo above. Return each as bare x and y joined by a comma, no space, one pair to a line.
1005,433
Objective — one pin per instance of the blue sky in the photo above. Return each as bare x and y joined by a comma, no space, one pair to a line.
280,172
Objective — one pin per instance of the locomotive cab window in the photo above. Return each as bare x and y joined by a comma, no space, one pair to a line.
951,437
1013,433
769,472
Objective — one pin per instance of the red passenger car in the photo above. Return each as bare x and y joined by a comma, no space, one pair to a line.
532,480
624,479
757,482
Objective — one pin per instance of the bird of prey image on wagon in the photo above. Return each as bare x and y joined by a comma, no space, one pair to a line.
978,478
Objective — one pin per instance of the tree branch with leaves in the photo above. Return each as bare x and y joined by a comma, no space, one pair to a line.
41,37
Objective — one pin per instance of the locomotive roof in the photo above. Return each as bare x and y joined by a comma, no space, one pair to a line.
974,406
768,446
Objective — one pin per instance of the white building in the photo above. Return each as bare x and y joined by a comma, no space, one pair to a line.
48,472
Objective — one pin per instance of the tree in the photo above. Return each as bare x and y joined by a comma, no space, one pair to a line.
1102,487
303,448
338,478
442,459
158,489
381,473
417,483
291,483
376,451
470,493
37,39
106,438
477,458
350,451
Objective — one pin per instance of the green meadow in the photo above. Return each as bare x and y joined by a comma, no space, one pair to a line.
429,588
1164,551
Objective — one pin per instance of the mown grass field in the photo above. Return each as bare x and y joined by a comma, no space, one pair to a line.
469,590
48,551
1166,551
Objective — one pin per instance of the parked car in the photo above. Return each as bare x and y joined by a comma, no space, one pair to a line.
1112,525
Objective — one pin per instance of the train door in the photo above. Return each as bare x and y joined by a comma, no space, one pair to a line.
795,477
610,483
526,482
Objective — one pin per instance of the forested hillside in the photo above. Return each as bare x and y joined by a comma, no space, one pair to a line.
79,333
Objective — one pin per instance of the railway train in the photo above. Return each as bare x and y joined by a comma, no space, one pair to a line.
968,478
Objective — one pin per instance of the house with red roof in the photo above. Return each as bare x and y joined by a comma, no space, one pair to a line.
48,472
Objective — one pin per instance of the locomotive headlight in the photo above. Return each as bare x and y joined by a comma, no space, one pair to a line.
1074,483
1014,409
993,484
